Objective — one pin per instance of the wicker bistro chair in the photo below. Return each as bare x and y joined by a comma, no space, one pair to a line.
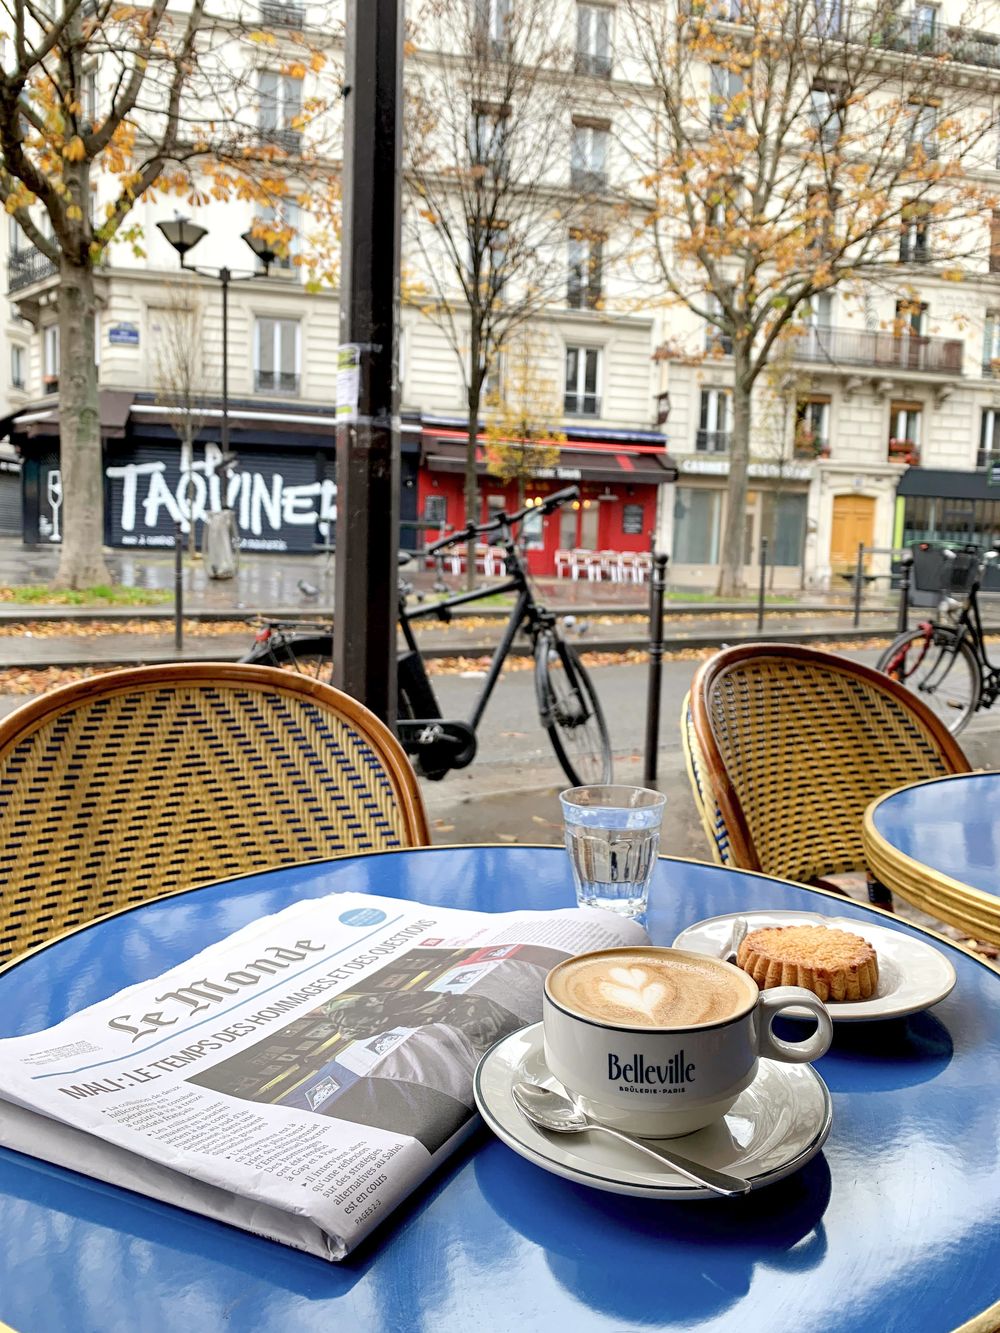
126,786
786,746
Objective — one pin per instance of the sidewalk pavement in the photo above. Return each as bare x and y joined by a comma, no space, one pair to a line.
103,643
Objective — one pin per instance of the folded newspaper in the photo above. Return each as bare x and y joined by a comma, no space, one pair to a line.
301,1077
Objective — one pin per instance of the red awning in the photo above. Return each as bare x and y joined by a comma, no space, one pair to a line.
609,464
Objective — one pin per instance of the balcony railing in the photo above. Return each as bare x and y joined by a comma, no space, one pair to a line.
582,405
712,441
289,141
282,15
597,66
276,381
588,181
27,266
879,349
881,28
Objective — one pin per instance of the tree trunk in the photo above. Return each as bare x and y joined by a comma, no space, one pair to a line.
734,533
471,448
81,560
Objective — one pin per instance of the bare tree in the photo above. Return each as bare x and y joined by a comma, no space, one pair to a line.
180,383
491,202
522,437
128,98
789,147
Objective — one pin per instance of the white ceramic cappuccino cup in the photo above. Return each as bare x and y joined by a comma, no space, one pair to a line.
662,1081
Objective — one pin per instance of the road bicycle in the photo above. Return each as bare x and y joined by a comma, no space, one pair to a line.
944,660
568,706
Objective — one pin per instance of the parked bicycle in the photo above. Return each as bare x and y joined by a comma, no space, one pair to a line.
568,707
944,660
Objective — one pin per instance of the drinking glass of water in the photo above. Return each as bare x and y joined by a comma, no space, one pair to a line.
612,836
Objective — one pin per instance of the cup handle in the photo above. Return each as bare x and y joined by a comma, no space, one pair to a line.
770,1004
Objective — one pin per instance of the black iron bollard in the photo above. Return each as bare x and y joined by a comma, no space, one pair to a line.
178,590
760,588
858,579
657,587
905,573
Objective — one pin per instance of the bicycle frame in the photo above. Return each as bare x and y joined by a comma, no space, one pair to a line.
525,608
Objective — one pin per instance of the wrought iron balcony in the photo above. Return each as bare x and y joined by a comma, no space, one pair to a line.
712,441
587,181
276,381
25,267
282,14
880,350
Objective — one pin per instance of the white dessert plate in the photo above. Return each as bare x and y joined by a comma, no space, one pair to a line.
912,975
778,1124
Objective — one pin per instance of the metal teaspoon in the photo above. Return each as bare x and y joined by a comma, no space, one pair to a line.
548,1110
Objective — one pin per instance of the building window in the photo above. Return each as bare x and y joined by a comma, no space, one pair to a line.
994,262
489,135
280,108
282,14
715,421
583,377
488,250
589,160
280,223
904,433
18,365
923,26
276,356
716,339
812,428
50,357
915,234
989,438
725,96
826,113
784,517
911,319
593,40
828,18
697,520
922,130
491,388
585,272
991,343
492,26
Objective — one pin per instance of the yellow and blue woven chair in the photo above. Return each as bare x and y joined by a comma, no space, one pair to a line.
129,785
785,748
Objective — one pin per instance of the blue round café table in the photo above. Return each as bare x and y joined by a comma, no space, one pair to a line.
937,844
893,1228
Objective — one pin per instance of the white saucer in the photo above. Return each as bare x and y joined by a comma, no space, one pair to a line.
778,1124
912,975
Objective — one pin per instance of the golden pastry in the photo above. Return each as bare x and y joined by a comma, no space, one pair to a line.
833,964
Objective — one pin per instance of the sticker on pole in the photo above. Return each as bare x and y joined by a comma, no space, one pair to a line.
348,383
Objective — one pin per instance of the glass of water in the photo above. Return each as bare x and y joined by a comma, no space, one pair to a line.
612,836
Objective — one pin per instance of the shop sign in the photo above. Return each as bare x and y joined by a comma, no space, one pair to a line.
559,473
719,467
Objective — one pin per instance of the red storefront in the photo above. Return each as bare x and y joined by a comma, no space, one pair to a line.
619,475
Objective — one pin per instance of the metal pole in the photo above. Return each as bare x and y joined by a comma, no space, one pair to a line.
364,649
858,576
905,572
763,581
178,590
657,586
224,276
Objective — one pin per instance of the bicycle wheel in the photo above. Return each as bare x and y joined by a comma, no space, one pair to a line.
940,668
571,712
309,655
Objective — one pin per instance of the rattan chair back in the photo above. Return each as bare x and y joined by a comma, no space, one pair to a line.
786,746
129,785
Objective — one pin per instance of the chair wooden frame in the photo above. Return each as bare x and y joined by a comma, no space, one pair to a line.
730,813
254,767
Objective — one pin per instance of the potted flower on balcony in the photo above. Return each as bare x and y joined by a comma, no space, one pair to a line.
903,451
808,444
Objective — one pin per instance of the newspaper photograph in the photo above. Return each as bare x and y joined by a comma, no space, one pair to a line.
301,1077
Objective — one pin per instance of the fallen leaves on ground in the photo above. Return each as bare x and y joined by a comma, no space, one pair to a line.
96,629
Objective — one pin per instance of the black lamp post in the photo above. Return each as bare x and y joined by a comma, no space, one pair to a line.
184,235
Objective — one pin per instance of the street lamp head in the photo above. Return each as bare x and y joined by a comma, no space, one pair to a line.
262,248
183,234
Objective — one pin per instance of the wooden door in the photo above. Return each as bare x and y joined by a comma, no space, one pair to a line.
853,522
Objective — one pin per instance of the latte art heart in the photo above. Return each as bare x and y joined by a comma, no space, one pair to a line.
647,989
634,988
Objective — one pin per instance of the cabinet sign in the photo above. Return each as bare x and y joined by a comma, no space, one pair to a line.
124,335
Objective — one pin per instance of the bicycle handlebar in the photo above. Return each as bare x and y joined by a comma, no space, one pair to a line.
472,530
